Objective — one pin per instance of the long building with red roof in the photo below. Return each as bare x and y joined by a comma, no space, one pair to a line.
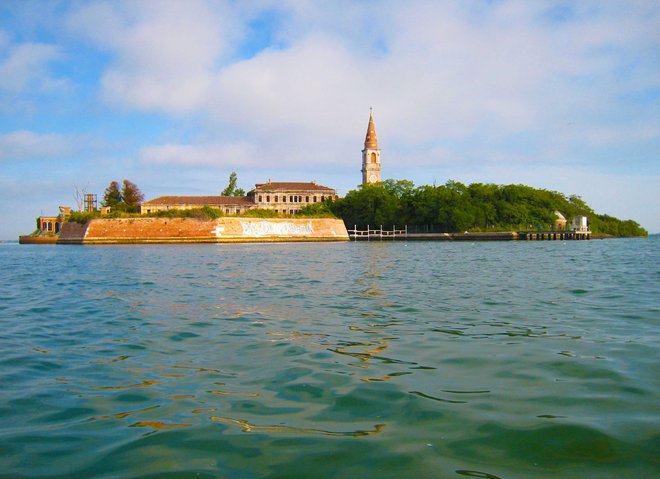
282,197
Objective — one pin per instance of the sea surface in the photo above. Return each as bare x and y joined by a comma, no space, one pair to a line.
338,360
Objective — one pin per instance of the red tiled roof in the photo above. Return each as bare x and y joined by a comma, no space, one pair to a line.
201,201
291,186
371,142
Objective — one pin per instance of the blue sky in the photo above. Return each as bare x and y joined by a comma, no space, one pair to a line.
174,95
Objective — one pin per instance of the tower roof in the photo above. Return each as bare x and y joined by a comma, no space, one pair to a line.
371,142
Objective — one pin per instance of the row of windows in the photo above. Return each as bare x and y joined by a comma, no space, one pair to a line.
49,225
291,198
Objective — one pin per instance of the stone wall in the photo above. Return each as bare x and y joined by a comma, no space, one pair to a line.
189,230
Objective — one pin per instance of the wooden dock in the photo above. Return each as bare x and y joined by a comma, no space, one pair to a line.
382,234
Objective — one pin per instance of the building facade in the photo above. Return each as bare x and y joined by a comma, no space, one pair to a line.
282,197
371,155
288,197
227,204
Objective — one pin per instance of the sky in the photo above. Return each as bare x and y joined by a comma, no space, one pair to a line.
175,95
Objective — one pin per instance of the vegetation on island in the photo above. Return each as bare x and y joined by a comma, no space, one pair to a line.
127,200
455,207
449,208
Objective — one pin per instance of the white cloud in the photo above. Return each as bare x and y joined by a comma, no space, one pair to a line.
26,145
215,155
431,69
164,52
25,66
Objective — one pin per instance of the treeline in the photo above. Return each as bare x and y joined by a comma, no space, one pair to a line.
124,200
455,207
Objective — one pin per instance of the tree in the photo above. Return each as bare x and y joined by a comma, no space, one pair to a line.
131,195
112,195
231,189
79,195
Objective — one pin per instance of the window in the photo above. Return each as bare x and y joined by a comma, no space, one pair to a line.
290,199
322,198
50,226
315,199
268,199
373,157
306,199
260,199
275,198
227,210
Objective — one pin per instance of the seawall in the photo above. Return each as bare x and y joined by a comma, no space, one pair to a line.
27,239
190,230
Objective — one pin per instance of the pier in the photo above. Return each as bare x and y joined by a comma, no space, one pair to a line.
377,234
554,235
394,234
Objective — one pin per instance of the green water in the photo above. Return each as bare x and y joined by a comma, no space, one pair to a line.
389,360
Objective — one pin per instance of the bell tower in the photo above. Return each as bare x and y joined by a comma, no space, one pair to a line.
371,155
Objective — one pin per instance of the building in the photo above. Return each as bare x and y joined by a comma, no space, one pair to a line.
371,155
560,221
289,198
228,204
53,224
580,224
282,197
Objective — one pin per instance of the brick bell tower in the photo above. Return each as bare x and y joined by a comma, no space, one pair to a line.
371,155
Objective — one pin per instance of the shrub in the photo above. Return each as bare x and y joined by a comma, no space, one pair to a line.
261,213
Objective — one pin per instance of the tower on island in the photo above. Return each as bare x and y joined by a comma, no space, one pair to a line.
371,155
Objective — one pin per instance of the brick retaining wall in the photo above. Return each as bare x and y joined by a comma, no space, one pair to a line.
189,230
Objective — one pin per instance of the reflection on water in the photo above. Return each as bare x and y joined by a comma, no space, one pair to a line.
385,359
249,427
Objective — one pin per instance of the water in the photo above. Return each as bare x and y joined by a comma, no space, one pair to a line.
389,360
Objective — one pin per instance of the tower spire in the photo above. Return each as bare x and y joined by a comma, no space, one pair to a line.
371,141
371,154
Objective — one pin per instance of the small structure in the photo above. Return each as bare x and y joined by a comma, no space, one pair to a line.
52,225
580,224
560,221
91,203
581,227
49,224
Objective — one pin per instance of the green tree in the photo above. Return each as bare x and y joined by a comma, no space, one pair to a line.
231,189
112,195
